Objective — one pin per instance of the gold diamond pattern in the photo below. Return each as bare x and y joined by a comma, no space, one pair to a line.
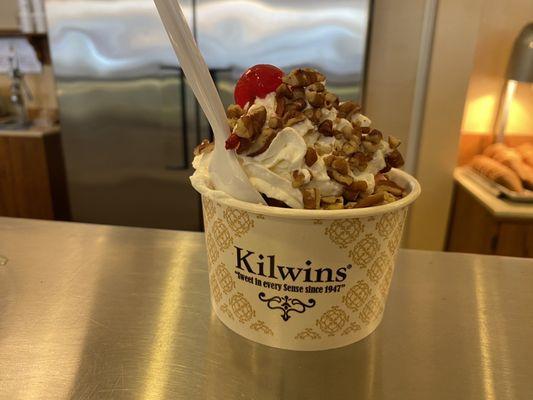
238,221
224,279
387,224
356,297
377,268
307,333
241,308
342,232
371,310
353,327
332,321
364,251
216,293
222,235
394,241
225,309
386,281
212,251
209,210
260,326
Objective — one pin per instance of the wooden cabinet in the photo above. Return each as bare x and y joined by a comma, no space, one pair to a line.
9,15
32,175
479,224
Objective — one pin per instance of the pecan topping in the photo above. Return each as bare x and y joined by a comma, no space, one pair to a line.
280,106
342,179
331,100
370,200
326,127
310,156
374,136
262,142
316,99
302,77
348,108
313,114
298,178
275,122
284,91
394,142
394,159
340,165
234,111
311,198
205,147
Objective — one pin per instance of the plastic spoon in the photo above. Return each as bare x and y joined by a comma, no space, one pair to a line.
225,171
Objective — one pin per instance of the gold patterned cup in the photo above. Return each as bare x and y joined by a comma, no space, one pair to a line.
302,279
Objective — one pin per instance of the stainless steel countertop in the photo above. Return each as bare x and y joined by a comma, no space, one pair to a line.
100,312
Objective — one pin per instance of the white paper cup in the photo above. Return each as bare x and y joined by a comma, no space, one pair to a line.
302,279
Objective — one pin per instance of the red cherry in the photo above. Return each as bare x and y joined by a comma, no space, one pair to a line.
257,81
232,142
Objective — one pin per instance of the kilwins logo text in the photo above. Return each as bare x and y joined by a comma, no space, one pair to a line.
266,266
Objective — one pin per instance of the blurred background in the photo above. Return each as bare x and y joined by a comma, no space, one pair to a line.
98,125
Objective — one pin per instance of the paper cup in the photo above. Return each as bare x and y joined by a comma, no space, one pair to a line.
302,279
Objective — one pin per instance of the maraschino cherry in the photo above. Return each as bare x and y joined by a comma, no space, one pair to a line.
257,81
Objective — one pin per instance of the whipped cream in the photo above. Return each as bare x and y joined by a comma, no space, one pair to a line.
271,172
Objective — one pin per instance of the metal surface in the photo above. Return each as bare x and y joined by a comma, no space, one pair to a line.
128,123
99,312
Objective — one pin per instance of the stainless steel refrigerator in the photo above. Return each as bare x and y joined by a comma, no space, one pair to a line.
129,122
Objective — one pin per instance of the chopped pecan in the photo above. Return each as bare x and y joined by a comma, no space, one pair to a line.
370,147
371,200
316,87
394,159
244,127
298,93
358,186
297,104
284,91
358,160
340,165
204,147
316,99
302,77
326,127
374,136
350,195
262,142
298,178
275,122
331,199
280,106
293,117
234,111
311,198
390,187
365,129
340,178
310,156
394,142
335,206
328,160
232,122
313,114
348,148
331,100
348,108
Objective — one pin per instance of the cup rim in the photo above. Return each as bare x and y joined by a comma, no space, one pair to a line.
292,213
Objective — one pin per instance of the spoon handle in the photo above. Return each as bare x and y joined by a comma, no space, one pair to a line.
194,66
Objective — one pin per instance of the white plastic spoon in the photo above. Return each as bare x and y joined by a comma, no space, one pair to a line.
225,171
